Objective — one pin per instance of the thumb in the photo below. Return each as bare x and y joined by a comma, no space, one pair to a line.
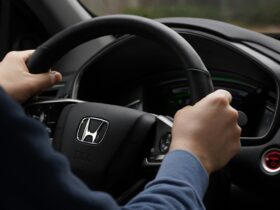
46,80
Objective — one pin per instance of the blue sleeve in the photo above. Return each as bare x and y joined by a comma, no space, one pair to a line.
34,176
179,185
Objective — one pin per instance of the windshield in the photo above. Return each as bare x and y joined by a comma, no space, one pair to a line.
258,15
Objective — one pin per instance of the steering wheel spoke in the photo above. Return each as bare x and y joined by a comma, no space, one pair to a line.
162,141
48,112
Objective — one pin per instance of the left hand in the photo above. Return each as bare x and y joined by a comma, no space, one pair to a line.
18,82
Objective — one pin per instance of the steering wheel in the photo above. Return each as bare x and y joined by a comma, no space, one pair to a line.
106,144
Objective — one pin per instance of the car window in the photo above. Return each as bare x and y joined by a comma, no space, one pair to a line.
258,15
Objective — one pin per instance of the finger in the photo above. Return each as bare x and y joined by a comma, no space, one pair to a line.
234,114
55,76
224,93
46,80
221,96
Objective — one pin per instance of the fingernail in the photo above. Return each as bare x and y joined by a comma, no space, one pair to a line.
52,76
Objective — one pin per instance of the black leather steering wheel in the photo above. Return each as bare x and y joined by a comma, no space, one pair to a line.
53,49
89,134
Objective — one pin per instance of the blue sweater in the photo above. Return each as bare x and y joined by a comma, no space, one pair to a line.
34,176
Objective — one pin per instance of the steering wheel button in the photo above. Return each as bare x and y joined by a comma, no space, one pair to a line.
165,142
271,161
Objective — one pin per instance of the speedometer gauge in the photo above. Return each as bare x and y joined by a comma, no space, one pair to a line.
252,99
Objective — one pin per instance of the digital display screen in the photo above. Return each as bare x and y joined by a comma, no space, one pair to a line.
252,100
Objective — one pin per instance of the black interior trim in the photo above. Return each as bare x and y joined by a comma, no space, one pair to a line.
224,30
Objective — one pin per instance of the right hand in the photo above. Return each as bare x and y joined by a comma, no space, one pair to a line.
209,130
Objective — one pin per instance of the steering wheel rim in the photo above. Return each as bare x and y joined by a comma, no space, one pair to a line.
52,50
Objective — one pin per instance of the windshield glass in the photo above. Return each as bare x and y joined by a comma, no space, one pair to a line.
258,15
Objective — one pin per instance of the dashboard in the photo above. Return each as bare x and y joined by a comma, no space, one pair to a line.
258,102
155,83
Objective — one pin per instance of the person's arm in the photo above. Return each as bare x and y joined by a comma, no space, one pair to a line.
204,138
33,175
36,177
179,185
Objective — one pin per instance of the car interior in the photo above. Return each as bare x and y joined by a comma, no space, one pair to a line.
116,68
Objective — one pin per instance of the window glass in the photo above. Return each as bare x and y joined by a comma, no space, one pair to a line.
258,15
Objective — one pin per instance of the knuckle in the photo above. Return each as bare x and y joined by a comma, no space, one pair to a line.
222,96
238,130
221,100
177,114
181,112
234,114
222,92
11,54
